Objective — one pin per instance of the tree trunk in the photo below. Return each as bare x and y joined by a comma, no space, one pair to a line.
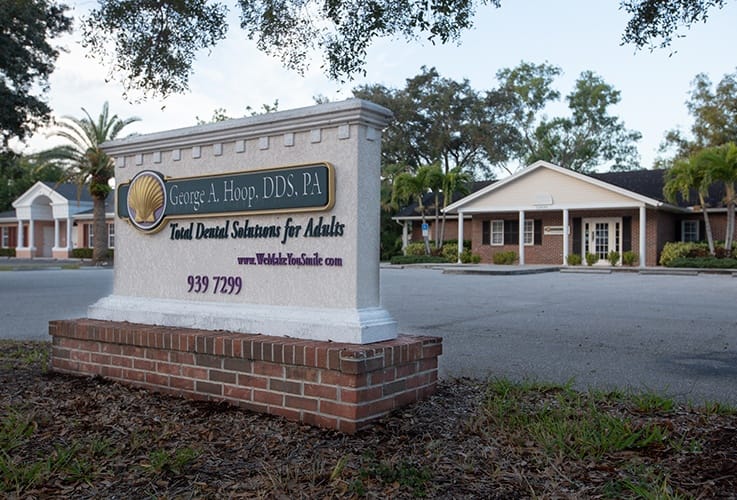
707,225
99,238
729,236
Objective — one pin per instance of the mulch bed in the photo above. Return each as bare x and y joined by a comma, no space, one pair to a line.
105,440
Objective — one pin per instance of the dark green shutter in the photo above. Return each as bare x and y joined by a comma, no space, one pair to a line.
577,246
511,232
486,232
538,232
678,230
626,234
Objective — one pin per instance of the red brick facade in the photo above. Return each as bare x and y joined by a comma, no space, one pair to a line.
661,228
327,384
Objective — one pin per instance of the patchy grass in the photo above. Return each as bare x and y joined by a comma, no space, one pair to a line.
70,437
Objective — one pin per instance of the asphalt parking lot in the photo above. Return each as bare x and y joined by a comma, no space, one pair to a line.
670,334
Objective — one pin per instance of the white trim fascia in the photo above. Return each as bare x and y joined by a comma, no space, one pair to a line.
33,192
429,217
554,208
544,164
348,112
108,215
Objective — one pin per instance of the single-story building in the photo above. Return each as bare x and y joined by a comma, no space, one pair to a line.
50,220
545,213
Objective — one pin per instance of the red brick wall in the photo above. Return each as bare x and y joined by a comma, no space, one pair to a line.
451,229
327,384
659,230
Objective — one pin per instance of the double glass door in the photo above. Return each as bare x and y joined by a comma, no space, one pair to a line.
602,236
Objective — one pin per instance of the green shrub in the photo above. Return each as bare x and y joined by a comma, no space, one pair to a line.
703,263
475,258
7,252
613,257
574,259
504,258
591,259
415,248
679,249
417,259
450,252
629,258
82,253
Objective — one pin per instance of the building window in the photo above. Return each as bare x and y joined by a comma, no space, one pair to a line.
111,235
497,232
690,230
90,236
529,232
6,237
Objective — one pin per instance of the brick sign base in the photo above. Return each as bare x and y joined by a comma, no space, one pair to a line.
326,384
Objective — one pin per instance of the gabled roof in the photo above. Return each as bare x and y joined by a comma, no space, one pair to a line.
651,182
428,202
542,165
8,214
70,191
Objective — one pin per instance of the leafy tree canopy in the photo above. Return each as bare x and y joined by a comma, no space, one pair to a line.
151,44
26,61
589,138
440,120
654,23
714,110
18,173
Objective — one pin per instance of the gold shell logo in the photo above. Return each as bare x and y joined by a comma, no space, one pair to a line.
146,200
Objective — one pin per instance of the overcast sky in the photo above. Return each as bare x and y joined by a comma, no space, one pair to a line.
576,35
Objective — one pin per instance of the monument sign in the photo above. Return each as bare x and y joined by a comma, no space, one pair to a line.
247,271
266,224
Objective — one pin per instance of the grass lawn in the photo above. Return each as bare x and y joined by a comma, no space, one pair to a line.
71,437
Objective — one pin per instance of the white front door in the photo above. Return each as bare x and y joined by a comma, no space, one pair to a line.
602,236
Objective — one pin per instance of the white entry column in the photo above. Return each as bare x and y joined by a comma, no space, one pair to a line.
565,236
69,236
31,239
460,236
521,237
20,234
643,233
56,234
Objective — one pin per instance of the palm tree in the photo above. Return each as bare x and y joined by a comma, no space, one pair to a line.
87,164
455,181
722,162
687,174
408,186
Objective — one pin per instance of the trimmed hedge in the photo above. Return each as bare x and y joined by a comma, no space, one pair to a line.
82,253
7,252
703,263
418,259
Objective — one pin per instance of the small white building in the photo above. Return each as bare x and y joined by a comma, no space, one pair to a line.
50,221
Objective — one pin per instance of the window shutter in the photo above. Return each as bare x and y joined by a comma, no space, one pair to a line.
538,232
702,231
486,232
511,232
577,246
678,230
626,234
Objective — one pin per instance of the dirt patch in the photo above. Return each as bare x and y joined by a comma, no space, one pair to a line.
72,437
